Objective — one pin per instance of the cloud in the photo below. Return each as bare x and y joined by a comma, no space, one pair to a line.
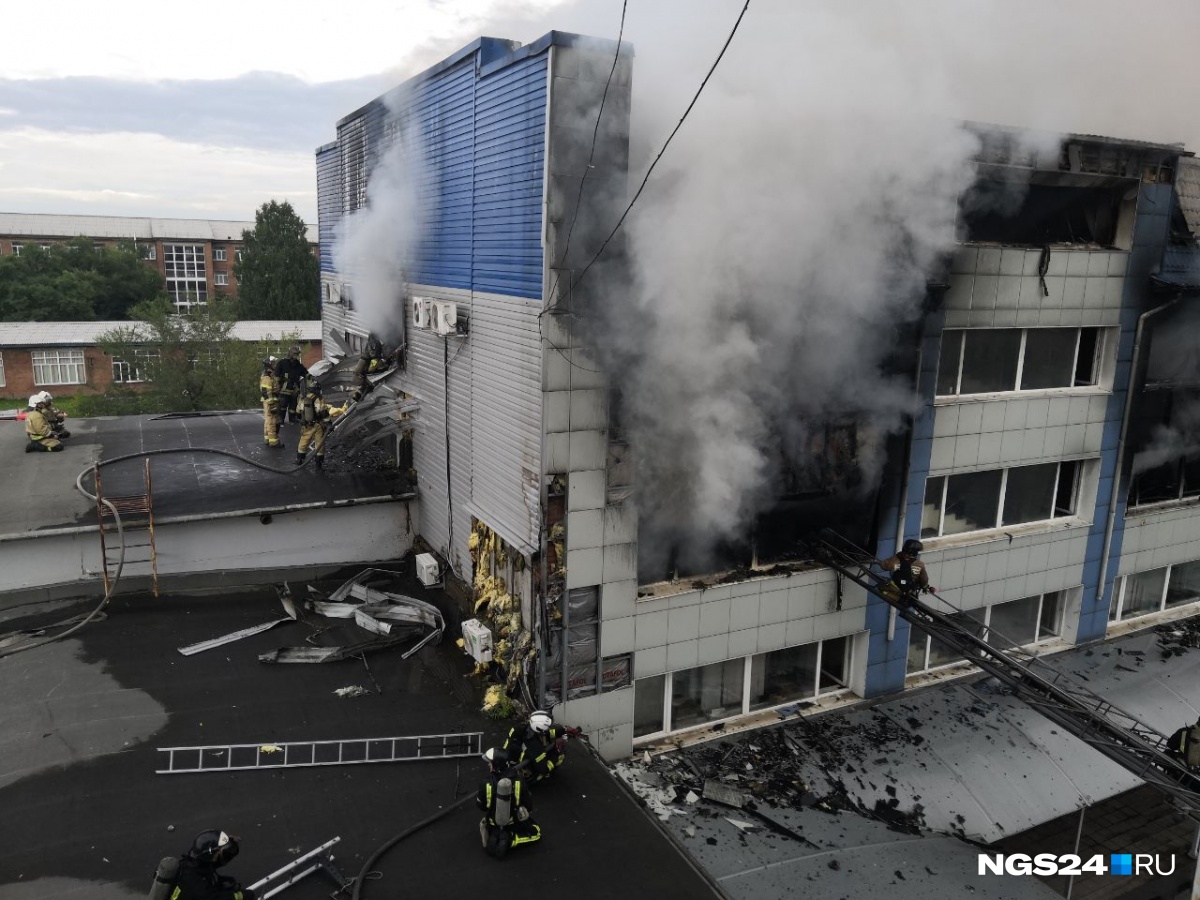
138,174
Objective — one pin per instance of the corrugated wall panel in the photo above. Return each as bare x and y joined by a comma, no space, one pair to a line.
510,125
329,202
506,405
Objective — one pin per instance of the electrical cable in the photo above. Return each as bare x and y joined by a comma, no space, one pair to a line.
575,282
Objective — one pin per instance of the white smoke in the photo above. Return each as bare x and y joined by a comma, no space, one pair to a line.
374,243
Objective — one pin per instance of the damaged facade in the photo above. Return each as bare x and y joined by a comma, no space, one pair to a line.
1029,471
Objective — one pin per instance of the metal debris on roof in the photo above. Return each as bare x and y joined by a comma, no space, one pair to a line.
389,618
234,636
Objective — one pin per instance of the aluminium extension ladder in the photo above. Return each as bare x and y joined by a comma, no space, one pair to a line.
236,757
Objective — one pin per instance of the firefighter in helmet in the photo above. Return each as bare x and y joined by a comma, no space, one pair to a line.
504,799
539,745
54,416
909,574
196,878
290,372
315,417
37,428
268,388
370,361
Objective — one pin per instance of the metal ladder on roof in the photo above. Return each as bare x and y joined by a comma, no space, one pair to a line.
133,533
1102,725
359,751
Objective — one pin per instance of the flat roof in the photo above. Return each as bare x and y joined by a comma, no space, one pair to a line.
127,227
68,334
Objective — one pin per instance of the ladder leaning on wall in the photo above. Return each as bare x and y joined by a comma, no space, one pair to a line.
126,538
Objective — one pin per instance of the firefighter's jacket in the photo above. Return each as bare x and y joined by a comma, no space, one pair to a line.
1184,744
908,573
200,881
290,372
540,752
315,411
36,425
268,385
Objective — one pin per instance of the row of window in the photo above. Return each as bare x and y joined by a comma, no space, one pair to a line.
977,501
996,360
1022,622
1156,590
676,700
148,251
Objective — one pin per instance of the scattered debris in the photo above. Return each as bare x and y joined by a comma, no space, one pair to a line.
719,793
354,690
235,635
740,825
1176,638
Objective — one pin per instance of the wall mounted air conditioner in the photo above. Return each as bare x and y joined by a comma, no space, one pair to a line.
422,312
445,317
427,569
477,640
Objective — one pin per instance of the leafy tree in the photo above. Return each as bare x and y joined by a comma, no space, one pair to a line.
74,282
278,275
186,362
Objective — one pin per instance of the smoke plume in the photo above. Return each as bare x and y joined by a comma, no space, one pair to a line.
376,242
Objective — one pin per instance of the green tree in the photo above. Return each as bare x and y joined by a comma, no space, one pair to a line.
74,281
185,362
278,275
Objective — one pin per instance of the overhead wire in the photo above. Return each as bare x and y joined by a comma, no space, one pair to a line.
604,245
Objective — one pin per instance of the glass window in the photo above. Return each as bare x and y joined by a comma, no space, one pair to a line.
1067,492
1184,584
648,705
135,371
17,248
783,675
1029,494
1016,620
58,367
931,512
948,362
1143,593
220,278
186,275
2,382
1049,358
1050,620
218,254
989,361
835,659
707,693
972,501
1087,357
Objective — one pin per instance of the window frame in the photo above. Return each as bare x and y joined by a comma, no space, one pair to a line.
1080,465
221,279
1101,341
219,254
744,708
64,358
1116,611
986,625
185,271
16,248
131,372
3,383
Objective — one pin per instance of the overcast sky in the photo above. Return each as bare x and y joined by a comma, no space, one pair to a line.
211,110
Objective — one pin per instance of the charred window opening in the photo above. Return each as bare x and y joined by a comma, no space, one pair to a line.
1166,466
1039,213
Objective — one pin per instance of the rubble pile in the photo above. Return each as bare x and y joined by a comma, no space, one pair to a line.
800,765
1176,638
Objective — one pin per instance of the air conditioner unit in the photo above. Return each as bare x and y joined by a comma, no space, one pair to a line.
422,312
477,640
445,317
427,569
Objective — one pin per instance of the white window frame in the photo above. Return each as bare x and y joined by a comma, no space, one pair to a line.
986,621
151,252
133,372
1081,466
747,668
185,270
1119,594
16,248
1098,367
55,367
220,279
219,254
3,383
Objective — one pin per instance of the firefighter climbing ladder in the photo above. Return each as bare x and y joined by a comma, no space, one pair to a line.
1089,717
235,757
136,518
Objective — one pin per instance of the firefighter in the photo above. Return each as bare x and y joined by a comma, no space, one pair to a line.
505,802
315,416
370,361
539,746
1184,745
37,427
54,416
291,374
268,388
909,574
195,873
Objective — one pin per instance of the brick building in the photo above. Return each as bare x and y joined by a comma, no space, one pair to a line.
194,256
63,356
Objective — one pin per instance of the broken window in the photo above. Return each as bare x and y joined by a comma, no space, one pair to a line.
978,501
1166,465
648,715
994,360
783,675
1042,212
707,693
1156,590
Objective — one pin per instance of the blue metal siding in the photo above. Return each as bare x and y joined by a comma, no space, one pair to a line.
510,136
329,202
